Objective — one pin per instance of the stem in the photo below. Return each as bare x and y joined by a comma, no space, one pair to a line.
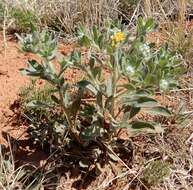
72,130
114,80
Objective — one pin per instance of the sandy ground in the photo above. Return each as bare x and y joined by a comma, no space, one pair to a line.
11,60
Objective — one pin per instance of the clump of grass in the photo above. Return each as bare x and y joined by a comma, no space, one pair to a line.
31,92
179,34
156,172
12,177
41,94
25,20
63,16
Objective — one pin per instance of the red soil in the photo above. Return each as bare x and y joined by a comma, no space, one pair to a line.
11,60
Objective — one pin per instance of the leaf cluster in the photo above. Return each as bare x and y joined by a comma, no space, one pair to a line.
120,78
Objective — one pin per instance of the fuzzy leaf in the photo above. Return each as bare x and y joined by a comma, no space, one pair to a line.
159,110
38,104
55,99
133,112
140,101
91,133
83,164
141,125
113,157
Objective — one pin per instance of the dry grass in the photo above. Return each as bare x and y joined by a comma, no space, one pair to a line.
13,177
63,15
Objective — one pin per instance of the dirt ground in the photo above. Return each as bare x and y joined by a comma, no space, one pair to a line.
11,60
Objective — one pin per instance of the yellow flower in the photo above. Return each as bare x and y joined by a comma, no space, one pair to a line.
117,38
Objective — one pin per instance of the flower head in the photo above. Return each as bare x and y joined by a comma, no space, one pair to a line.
117,38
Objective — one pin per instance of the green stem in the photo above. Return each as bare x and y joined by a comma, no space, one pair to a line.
114,80
71,128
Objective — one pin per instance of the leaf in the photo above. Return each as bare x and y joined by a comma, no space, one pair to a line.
88,85
83,83
92,89
109,87
29,73
38,104
95,34
134,111
34,69
60,128
113,157
149,24
99,99
141,125
139,101
33,64
124,124
98,169
96,71
61,81
75,107
92,132
63,63
108,103
159,110
55,99
130,112
100,41
85,41
75,57
92,61
129,87
140,22
146,102
83,164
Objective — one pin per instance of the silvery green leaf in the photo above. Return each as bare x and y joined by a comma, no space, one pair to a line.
92,89
108,103
141,125
130,70
38,104
83,164
113,157
60,128
158,110
92,132
34,65
30,73
109,87
139,101
98,169
134,111
164,84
